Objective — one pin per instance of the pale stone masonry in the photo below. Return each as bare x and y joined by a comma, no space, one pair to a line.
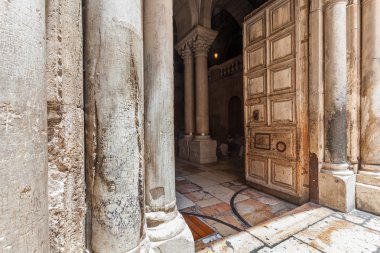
64,77
87,134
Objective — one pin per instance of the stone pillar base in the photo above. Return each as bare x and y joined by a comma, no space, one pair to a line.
337,191
368,194
203,150
171,236
184,150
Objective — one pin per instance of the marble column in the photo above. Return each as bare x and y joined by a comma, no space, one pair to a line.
202,148
188,61
115,125
336,180
368,180
23,126
166,228
353,82
64,74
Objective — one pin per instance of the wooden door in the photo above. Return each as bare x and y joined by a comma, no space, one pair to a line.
275,93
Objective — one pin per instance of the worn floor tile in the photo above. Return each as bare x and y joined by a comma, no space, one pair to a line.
217,209
201,181
250,206
373,223
183,202
224,194
198,195
208,202
281,228
269,200
258,217
186,188
238,243
336,235
291,245
349,217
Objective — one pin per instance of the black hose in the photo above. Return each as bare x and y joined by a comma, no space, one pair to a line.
214,219
235,211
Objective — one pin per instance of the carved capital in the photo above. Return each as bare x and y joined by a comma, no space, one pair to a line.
198,39
185,49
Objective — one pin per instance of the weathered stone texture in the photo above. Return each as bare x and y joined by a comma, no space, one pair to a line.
166,229
159,111
368,185
114,124
64,73
23,140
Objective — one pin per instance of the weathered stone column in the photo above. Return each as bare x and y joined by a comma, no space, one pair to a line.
336,181
114,125
23,125
167,230
202,149
64,74
353,82
184,49
368,184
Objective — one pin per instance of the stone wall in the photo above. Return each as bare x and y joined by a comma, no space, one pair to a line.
220,93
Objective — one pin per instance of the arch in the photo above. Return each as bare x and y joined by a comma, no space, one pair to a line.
237,8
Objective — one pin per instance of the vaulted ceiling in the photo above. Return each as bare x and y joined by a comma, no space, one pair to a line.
189,13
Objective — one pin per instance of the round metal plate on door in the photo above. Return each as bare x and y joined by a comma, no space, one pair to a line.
281,146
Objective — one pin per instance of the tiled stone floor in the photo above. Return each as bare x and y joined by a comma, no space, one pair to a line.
207,190
309,228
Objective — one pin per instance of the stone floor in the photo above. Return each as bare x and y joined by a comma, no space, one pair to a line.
277,226
207,190
309,228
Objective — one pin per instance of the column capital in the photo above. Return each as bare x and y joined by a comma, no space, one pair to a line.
184,49
199,38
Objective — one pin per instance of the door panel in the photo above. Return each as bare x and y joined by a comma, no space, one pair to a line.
273,97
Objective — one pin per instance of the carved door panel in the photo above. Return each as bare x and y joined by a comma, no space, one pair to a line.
274,100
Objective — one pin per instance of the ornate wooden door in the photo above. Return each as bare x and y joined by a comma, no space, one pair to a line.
275,93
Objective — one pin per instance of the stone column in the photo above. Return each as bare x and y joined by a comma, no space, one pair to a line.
23,126
167,230
353,82
203,148
187,55
336,180
368,183
64,74
114,125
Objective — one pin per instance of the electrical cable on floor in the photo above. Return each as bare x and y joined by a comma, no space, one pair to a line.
235,211
214,219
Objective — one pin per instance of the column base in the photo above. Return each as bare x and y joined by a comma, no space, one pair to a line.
184,149
170,236
368,189
203,150
337,187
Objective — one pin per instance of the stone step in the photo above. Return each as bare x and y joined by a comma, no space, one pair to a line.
271,232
